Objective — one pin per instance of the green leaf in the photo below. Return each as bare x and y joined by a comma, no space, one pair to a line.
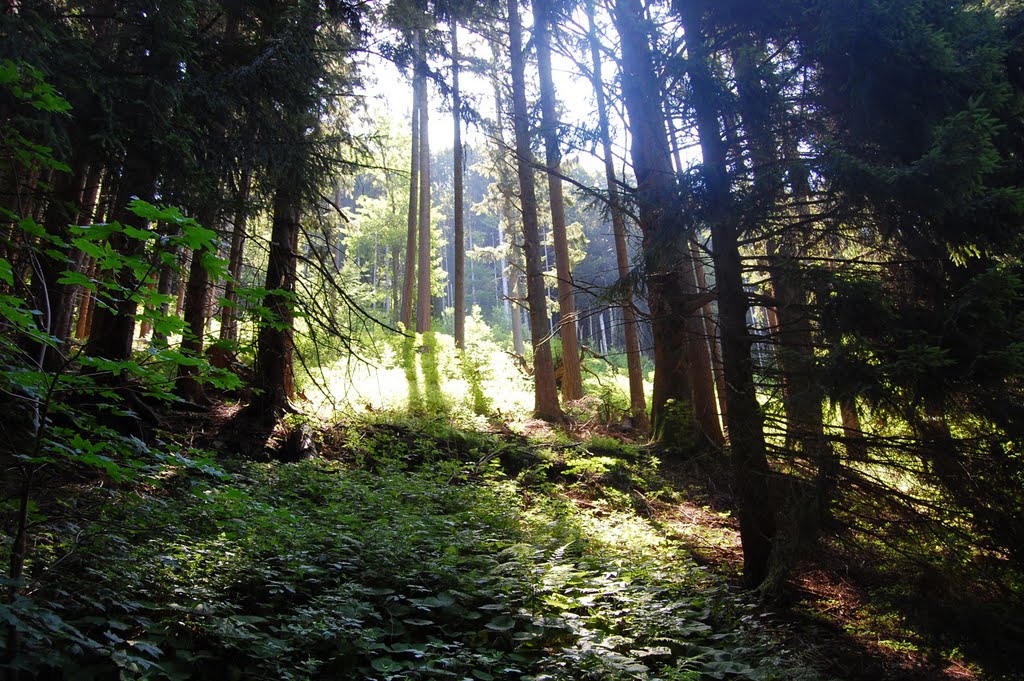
416,622
215,266
140,234
96,232
501,623
147,647
387,665
72,278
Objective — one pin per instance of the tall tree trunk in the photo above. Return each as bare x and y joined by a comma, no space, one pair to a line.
745,421
711,332
164,287
229,312
459,293
516,283
85,306
505,185
192,340
54,299
113,324
275,347
423,265
181,282
546,393
409,279
396,256
707,409
572,382
637,400
101,208
705,405
64,317
671,292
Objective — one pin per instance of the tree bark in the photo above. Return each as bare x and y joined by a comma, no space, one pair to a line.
229,312
181,282
423,265
459,285
192,340
409,278
711,332
113,324
745,421
515,268
104,206
275,346
671,293
637,400
64,317
546,393
54,300
856,445
572,382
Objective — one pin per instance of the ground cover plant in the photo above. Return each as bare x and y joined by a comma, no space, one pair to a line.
405,551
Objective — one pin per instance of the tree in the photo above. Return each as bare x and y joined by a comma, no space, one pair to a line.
307,62
672,295
408,280
637,400
546,393
572,383
459,275
423,250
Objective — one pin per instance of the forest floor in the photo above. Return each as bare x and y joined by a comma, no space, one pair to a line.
420,548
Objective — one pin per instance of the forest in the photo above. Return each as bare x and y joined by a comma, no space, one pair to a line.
514,339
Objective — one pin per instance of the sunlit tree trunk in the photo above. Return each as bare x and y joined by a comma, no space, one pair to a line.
637,400
181,281
711,332
229,311
409,278
423,265
515,268
102,211
572,382
853,436
706,407
64,317
459,285
396,278
90,208
546,393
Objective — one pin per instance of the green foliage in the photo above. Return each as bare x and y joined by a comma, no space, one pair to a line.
64,414
424,563
476,369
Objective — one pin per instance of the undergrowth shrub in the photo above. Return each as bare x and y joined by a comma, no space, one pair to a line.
413,556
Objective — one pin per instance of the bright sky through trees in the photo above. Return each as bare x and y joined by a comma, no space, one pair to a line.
389,93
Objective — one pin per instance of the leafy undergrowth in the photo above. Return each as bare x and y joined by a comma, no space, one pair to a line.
410,550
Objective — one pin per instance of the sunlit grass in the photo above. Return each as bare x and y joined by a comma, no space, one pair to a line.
425,374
